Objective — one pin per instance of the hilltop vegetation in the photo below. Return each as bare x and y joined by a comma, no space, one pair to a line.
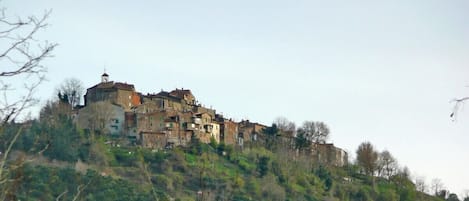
53,159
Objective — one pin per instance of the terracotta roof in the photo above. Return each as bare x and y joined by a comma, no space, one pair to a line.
181,92
163,94
125,86
117,85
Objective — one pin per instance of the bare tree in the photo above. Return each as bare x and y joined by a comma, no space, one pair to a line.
458,102
287,129
421,185
437,186
285,126
386,165
316,132
71,91
21,55
367,157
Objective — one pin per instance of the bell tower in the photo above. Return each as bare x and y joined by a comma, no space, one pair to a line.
104,78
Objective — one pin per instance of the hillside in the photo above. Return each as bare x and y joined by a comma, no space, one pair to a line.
58,161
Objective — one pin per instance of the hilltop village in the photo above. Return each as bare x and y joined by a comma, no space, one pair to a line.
167,119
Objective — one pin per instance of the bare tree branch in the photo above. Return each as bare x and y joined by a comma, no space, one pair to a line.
21,73
10,146
457,105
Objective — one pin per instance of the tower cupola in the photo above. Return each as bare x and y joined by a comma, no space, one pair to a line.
104,77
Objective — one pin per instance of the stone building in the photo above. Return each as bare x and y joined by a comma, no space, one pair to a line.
179,127
228,130
200,109
185,95
328,154
249,131
215,132
177,131
203,122
176,114
104,117
173,118
153,140
122,94
165,101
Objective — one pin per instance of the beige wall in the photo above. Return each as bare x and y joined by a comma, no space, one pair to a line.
215,133
102,116
328,154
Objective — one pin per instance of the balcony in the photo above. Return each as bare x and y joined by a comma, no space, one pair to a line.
189,126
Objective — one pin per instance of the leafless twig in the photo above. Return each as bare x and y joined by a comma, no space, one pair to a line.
21,55
10,146
457,105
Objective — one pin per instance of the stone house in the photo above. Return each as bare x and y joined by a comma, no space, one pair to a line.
151,119
177,132
203,122
122,94
200,109
104,117
328,154
185,95
215,132
164,101
249,131
179,127
228,131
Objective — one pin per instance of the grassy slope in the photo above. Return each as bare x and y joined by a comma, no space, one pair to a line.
200,172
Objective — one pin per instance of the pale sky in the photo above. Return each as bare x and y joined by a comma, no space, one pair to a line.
374,71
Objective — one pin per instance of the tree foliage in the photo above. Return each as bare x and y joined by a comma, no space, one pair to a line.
272,134
367,157
315,131
139,174
452,197
301,141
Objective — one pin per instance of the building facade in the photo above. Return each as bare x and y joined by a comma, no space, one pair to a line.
122,94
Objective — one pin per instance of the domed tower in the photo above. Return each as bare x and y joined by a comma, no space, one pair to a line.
104,77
